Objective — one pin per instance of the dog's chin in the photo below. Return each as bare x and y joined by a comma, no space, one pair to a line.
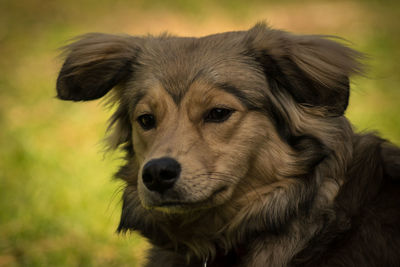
178,204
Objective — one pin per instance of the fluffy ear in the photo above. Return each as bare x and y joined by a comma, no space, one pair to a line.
94,64
313,69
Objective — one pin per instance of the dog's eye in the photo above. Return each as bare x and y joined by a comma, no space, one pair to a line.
146,121
218,115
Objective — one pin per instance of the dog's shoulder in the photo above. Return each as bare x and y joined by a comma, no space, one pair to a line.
366,227
374,168
373,176
369,202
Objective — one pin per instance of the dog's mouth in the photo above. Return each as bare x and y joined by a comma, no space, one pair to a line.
171,205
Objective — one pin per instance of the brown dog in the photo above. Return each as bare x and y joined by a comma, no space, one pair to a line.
237,150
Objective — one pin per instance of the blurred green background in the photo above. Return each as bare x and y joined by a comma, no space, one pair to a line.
58,203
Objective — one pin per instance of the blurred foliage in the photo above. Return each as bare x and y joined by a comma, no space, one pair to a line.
58,205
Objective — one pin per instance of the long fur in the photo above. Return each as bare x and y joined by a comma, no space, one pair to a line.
305,190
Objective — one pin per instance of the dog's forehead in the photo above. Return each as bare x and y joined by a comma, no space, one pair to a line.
176,63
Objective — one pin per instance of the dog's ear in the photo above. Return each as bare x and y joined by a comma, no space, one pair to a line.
94,64
313,69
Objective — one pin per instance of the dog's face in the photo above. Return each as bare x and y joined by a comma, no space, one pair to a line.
209,120
194,136
193,153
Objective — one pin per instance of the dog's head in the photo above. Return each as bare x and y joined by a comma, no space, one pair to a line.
205,120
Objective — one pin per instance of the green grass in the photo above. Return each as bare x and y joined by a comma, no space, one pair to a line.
58,203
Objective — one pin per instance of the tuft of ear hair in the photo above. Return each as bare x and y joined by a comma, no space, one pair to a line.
94,64
313,69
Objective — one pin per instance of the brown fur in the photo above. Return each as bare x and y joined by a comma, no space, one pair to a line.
282,181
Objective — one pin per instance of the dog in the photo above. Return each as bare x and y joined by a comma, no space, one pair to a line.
237,149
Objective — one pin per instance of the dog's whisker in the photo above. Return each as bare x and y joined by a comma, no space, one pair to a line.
231,179
235,178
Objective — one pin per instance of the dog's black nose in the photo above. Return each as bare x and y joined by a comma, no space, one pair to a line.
160,174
